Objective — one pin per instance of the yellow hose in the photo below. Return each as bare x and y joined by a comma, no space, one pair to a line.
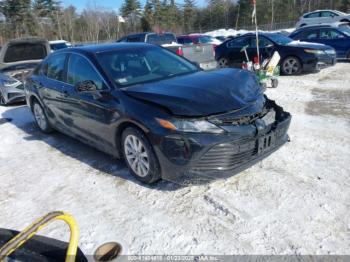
32,229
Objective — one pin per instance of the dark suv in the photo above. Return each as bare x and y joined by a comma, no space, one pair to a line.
334,35
162,114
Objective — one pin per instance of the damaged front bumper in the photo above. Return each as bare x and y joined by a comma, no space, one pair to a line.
13,94
199,157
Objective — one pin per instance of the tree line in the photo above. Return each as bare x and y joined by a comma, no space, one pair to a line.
51,20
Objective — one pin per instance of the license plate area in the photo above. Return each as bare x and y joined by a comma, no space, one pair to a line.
266,143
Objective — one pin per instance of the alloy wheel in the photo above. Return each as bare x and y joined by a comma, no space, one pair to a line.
40,116
291,66
223,63
136,155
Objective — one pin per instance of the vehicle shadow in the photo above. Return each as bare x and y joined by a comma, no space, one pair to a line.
21,117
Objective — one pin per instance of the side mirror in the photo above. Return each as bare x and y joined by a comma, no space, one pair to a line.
86,86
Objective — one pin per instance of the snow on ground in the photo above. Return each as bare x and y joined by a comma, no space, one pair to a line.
233,32
295,202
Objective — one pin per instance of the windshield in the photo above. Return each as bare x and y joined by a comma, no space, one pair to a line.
345,30
139,65
58,46
162,39
280,39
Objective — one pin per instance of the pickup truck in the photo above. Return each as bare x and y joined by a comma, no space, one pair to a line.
18,58
202,54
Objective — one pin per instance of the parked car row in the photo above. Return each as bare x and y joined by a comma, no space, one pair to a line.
295,56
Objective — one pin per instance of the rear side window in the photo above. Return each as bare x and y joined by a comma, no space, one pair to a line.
238,43
330,34
79,69
328,14
161,39
53,68
25,51
134,39
312,15
263,42
310,34
185,41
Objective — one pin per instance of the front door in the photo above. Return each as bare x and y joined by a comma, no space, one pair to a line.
92,112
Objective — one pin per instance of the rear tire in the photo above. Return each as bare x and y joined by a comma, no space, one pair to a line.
291,65
139,156
2,100
40,118
223,63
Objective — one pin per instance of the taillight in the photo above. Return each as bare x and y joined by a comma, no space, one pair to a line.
214,48
179,51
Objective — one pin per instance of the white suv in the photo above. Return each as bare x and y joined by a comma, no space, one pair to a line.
321,17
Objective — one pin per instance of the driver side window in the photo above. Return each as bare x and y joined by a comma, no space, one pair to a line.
79,69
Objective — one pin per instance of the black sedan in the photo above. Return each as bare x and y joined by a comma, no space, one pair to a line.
162,114
296,57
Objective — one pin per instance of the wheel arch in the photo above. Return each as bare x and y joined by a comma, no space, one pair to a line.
120,129
31,100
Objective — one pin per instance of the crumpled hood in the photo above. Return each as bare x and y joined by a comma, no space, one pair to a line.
202,93
309,45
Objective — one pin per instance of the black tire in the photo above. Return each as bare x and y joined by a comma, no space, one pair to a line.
294,67
223,62
154,173
2,100
274,83
43,122
303,25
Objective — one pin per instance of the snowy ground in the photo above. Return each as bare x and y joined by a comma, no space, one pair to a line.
233,32
295,202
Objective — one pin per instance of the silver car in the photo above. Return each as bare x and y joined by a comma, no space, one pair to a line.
11,90
18,58
322,17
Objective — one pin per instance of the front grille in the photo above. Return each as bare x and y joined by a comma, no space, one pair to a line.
228,156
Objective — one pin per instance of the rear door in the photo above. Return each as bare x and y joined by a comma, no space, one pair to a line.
51,84
266,48
234,50
312,19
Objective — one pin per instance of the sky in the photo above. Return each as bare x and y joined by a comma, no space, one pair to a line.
110,4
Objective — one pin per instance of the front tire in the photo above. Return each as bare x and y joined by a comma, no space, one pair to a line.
40,118
291,66
139,156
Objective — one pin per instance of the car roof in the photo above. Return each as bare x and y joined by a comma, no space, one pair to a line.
100,48
330,25
57,41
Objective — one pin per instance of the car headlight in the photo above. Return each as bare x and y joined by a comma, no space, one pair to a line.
195,126
8,82
314,51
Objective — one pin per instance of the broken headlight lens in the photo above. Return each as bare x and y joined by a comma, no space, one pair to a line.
194,126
